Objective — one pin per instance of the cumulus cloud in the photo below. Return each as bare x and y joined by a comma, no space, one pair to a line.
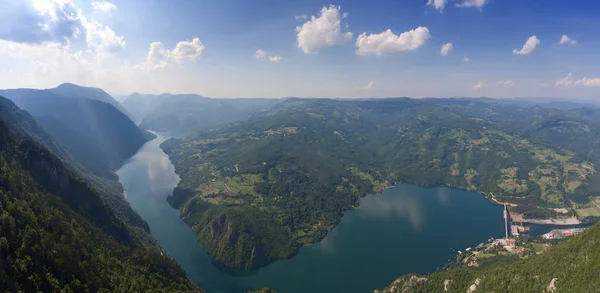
466,59
102,38
446,48
472,3
437,4
388,43
368,86
275,58
588,82
103,6
303,17
322,31
566,81
565,40
184,52
36,22
479,86
569,81
187,51
529,46
260,54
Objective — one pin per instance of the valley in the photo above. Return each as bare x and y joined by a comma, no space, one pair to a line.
305,162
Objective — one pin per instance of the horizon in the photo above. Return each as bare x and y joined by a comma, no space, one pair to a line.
325,49
122,97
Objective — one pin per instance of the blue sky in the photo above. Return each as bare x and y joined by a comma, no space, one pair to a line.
499,48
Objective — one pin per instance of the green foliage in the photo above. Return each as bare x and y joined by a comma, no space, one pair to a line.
310,160
56,234
574,265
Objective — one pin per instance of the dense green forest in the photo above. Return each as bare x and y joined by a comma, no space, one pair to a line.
256,190
186,114
57,235
572,266
92,137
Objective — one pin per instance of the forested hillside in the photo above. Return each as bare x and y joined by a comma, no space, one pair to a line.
572,266
186,114
105,183
56,234
255,191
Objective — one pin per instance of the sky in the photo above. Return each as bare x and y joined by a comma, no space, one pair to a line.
309,48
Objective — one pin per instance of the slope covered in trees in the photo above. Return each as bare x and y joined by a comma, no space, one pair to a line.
186,114
56,234
256,190
107,186
572,266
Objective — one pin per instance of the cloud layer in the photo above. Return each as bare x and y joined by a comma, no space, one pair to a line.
389,43
322,31
529,46
446,48
160,57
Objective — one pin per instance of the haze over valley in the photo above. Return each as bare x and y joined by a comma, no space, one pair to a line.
248,146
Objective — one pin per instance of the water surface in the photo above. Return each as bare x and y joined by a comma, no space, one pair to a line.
405,229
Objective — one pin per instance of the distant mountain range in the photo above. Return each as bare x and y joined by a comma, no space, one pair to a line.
93,138
186,114
84,121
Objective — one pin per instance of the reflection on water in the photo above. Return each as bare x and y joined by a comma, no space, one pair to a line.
406,207
404,229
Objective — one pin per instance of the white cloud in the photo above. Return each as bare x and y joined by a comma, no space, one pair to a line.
588,82
479,86
36,22
187,51
303,16
102,38
388,43
529,46
446,48
368,86
499,84
103,6
275,58
566,81
565,40
466,59
569,81
472,3
505,84
260,54
184,52
323,31
437,4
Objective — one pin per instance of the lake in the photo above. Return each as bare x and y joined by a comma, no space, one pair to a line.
404,229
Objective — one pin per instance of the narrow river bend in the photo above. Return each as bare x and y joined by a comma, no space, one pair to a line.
404,229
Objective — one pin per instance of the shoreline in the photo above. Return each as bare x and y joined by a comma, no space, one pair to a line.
555,221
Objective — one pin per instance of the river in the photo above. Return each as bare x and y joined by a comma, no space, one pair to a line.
405,229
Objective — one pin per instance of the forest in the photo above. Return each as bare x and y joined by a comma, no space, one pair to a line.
305,162
571,266
56,232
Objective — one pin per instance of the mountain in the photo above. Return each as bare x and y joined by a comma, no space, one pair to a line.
571,266
185,114
84,126
57,235
257,190
73,91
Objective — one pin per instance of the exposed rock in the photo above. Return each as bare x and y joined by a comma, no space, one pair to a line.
552,286
447,284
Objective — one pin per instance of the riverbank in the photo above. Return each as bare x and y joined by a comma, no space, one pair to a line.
556,221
